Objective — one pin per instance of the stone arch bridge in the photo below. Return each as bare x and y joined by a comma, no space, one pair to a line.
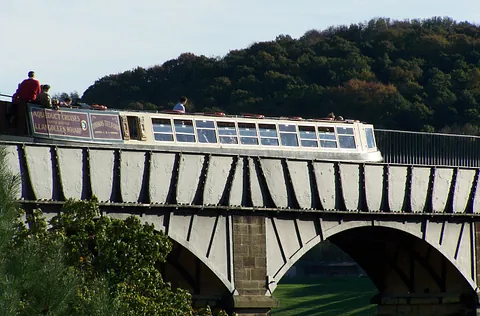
239,222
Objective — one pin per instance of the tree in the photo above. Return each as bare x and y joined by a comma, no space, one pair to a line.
421,69
94,262
74,96
84,264
34,279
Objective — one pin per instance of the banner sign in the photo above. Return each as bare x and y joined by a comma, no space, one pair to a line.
105,126
60,123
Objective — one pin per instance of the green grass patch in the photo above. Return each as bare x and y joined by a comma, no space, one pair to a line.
325,297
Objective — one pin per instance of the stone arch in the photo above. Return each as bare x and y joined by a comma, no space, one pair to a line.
185,270
454,241
182,246
213,253
399,262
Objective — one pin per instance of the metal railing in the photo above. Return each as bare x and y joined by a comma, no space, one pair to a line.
420,148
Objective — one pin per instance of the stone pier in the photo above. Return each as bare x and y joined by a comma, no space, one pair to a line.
250,267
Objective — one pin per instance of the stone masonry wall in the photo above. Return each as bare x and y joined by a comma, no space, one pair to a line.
250,267
250,262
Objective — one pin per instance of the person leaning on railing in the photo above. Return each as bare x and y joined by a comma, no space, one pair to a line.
67,102
55,104
44,98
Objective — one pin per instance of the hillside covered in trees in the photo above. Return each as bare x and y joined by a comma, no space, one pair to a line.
414,75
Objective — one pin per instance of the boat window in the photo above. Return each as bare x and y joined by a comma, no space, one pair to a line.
184,131
227,133
268,134
327,137
162,130
345,137
308,138
133,129
345,130
248,133
288,135
370,137
206,131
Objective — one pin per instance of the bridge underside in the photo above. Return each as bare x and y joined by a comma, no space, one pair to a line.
412,277
419,266
186,271
240,222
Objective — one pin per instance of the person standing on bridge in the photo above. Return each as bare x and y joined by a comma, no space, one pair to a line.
180,106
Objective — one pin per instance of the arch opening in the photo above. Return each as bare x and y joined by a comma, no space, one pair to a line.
408,272
185,270
398,262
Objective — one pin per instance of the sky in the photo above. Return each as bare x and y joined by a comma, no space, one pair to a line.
70,44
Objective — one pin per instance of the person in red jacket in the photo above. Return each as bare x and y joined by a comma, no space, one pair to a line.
27,92
29,89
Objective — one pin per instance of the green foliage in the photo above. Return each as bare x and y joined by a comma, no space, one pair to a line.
414,75
9,186
74,96
118,262
33,277
123,252
42,280
81,263
88,264
43,283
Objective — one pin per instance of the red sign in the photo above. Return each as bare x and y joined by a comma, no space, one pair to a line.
105,126
60,123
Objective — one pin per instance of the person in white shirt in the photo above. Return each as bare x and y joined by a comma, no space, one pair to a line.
180,106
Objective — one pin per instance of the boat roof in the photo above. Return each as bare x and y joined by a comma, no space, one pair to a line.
242,116
217,115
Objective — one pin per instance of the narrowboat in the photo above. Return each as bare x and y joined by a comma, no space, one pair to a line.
216,133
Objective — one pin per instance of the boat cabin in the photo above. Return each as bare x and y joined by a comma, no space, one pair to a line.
248,134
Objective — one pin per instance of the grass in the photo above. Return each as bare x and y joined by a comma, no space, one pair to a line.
325,297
